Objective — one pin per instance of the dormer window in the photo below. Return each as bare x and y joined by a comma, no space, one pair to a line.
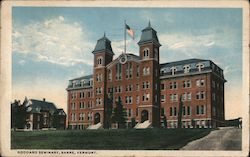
91,82
186,68
82,83
173,70
145,53
200,66
99,61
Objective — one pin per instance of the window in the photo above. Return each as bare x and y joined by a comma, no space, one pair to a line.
73,95
91,82
200,95
197,109
73,106
171,111
162,112
129,112
200,66
129,71
173,70
145,85
81,105
98,101
81,116
200,109
186,68
137,71
187,84
89,116
213,84
118,89
184,110
145,97
145,53
118,75
73,117
137,99
184,97
189,96
109,75
99,61
99,77
128,99
188,110
173,85
174,97
99,90
175,111
163,98
218,86
137,87
162,86
200,82
213,96
146,71
129,87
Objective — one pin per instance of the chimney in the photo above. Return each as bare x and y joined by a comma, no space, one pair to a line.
44,99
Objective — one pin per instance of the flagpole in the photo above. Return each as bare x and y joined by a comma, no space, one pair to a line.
125,36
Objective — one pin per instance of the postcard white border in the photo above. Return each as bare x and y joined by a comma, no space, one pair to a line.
5,70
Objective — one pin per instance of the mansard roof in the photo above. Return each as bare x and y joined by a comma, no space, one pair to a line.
149,35
103,45
36,106
80,82
87,77
208,66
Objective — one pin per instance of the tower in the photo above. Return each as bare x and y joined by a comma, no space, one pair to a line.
149,108
103,55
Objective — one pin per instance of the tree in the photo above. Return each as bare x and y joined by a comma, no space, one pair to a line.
109,110
133,122
180,113
120,114
165,121
18,115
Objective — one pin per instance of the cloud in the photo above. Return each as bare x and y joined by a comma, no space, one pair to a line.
21,62
200,43
54,40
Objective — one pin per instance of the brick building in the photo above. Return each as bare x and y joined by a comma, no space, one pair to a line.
149,90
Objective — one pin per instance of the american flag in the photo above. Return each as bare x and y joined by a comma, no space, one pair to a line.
130,31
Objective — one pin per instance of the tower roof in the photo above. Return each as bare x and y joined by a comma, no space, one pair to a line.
103,44
149,35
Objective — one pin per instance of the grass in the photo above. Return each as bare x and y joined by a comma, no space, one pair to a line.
144,139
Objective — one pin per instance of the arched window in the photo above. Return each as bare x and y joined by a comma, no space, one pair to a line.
146,53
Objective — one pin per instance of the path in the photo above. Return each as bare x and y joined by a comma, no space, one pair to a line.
222,139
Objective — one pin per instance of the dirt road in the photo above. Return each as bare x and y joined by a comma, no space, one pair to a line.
222,139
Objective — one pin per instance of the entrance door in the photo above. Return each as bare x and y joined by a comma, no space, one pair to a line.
97,118
144,116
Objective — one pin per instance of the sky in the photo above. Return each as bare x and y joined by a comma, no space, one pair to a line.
51,45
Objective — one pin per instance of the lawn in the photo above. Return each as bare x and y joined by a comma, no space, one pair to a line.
132,139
